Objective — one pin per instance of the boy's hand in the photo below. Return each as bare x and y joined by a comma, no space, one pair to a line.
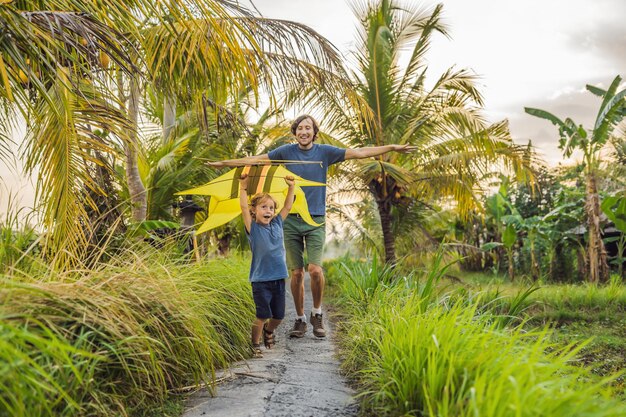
290,180
243,181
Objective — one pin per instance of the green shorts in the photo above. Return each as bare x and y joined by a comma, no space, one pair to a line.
300,235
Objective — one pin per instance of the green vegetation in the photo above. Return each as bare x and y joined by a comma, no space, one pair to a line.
417,348
119,339
95,322
578,313
590,314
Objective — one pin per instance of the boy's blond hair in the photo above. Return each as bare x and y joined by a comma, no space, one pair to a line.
257,198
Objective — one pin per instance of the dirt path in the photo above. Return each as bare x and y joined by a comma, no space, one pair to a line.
297,378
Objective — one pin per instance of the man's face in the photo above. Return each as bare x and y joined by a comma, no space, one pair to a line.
305,134
264,211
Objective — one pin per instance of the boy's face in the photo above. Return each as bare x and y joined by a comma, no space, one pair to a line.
305,134
264,211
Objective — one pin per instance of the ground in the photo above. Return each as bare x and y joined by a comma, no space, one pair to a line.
296,378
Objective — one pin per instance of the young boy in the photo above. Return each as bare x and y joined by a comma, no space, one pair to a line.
268,270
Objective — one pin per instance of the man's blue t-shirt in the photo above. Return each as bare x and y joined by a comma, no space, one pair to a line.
268,251
326,154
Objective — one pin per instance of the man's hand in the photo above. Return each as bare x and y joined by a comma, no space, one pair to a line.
406,148
290,180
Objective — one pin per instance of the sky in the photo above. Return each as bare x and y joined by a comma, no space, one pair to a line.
531,53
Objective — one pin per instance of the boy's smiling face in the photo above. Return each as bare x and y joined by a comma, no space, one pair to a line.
264,211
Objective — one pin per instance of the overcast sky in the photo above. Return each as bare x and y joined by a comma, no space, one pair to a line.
533,53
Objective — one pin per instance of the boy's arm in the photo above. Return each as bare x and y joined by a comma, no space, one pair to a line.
289,199
243,201
248,160
360,153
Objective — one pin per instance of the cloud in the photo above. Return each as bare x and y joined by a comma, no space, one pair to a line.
605,36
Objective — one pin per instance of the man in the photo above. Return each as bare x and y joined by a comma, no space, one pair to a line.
299,235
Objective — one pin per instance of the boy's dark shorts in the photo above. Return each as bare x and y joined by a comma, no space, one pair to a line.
269,299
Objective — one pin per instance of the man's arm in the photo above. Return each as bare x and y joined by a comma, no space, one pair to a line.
248,160
360,153
243,201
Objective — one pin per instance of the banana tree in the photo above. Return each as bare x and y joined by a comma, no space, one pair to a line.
591,141
615,209
507,221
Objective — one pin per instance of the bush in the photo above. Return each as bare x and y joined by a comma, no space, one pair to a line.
119,339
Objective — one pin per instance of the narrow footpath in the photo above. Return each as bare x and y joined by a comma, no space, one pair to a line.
296,378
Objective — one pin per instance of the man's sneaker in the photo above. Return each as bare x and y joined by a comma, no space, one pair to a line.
299,329
318,325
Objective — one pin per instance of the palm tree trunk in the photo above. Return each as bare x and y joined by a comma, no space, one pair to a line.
169,117
169,122
384,211
597,258
136,189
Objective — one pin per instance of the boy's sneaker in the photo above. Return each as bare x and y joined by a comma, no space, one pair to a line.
299,329
318,325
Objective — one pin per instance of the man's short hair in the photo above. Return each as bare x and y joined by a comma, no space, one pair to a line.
294,125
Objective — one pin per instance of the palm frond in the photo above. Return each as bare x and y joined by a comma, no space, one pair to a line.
61,143
422,25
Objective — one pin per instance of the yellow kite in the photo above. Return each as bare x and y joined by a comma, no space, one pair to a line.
224,192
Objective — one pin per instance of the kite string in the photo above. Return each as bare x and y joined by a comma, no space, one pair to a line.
252,176
273,162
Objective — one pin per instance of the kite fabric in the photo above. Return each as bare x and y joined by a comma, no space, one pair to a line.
224,192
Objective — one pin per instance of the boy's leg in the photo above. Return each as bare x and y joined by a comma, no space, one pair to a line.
278,313
277,305
262,295
257,328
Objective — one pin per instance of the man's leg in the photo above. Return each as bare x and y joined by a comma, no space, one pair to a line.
315,248
317,285
297,290
294,246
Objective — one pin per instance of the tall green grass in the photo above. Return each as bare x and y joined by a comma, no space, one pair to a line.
18,240
422,350
119,339
586,301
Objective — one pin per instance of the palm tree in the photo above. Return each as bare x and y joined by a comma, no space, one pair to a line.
455,144
591,141
68,70
215,56
52,60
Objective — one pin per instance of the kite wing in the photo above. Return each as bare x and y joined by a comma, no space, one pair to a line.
224,192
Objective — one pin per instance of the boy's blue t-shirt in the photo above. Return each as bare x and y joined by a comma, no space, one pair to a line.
326,154
268,251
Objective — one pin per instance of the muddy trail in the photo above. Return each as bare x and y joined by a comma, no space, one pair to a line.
296,378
